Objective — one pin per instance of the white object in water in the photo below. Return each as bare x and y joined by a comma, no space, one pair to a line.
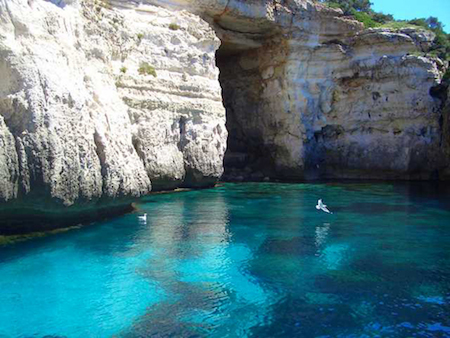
143,218
323,207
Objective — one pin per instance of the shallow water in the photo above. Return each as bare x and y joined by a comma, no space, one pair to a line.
247,260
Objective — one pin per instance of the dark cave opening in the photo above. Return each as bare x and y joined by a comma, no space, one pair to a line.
247,157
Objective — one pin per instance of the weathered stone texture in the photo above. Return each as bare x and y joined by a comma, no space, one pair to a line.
81,123
103,101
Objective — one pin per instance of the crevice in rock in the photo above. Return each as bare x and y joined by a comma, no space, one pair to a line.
100,151
182,126
440,92
138,148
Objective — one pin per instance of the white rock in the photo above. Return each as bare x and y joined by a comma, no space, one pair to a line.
76,126
105,100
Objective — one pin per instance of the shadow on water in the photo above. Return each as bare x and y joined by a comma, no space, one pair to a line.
189,235
259,260
293,317
165,319
103,237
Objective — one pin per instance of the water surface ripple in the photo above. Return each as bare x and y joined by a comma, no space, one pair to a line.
247,260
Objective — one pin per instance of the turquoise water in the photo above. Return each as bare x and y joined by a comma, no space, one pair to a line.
247,260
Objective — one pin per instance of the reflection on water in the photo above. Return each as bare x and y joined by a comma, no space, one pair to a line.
200,270
322,234
242,260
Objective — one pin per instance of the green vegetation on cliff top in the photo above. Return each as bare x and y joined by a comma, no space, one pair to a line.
362,11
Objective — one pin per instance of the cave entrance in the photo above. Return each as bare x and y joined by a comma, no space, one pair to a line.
265,136
247,157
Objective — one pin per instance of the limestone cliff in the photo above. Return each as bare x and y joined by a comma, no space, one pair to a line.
97,105
445,173
323,98
103,101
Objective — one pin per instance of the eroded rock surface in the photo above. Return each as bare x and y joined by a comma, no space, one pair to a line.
323,98
99,105
445,174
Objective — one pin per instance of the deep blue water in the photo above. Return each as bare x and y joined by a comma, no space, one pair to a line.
247,260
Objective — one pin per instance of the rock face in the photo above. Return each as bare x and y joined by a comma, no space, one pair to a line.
103,101
445,174
322,98
97,105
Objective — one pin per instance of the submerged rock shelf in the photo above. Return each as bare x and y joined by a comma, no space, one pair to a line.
242,260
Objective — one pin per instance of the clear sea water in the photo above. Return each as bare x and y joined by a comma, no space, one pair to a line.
247,260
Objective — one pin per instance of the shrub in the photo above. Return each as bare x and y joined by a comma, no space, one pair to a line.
446,77
399,25
419,22
123,69
418,54
146,69
382,18
140,36
365,18
333,5
361,10
174,26
348,5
